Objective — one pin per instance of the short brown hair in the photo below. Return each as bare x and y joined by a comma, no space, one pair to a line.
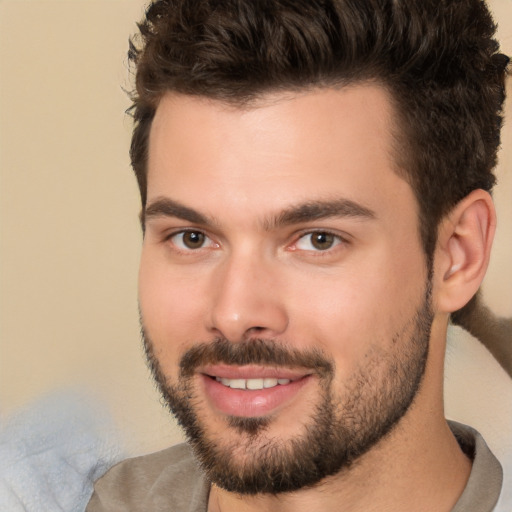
437,58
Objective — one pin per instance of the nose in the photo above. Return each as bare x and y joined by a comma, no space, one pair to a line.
248,300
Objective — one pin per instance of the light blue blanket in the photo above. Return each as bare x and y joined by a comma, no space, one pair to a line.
51,452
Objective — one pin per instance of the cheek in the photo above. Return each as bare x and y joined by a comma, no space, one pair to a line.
170,309
353,313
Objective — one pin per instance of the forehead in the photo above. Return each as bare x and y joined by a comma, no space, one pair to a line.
285,147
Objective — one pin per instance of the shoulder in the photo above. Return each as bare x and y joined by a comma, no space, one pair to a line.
152,482
485,482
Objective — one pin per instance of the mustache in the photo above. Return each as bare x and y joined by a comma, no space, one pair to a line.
255,351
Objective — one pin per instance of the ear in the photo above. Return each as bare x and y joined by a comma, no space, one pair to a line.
463,250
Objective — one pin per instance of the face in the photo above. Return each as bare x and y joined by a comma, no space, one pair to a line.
284,293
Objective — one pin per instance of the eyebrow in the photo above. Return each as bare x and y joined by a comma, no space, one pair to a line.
295,214
317,210
165,207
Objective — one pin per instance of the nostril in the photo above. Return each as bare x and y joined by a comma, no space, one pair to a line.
254,332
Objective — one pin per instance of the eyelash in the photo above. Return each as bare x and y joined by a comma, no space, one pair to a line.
184,232
336,239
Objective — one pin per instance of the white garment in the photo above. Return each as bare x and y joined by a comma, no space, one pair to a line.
478,392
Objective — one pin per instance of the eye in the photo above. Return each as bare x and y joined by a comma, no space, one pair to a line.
318,241
190,240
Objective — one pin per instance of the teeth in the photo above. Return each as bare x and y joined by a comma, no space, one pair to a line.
237,383
252,384
269,383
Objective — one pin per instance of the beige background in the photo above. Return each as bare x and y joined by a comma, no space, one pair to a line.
68,212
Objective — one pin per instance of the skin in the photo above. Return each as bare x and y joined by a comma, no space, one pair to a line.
239,170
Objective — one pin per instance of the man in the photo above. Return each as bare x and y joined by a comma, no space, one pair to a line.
315,181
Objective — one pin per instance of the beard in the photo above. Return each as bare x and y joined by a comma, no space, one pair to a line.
345,423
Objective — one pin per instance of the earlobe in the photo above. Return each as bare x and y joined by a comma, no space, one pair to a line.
463,250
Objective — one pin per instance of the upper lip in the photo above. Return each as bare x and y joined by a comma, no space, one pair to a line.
253,372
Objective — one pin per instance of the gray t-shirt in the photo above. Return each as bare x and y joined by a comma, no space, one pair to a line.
171,481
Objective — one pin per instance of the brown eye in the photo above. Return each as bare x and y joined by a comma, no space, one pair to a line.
318,241
322,241
193,239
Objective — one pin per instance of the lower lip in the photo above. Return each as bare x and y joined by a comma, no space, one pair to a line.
251,403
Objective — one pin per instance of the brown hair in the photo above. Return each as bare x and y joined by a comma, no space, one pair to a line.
437,58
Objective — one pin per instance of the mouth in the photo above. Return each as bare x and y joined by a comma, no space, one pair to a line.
252,384
252,391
